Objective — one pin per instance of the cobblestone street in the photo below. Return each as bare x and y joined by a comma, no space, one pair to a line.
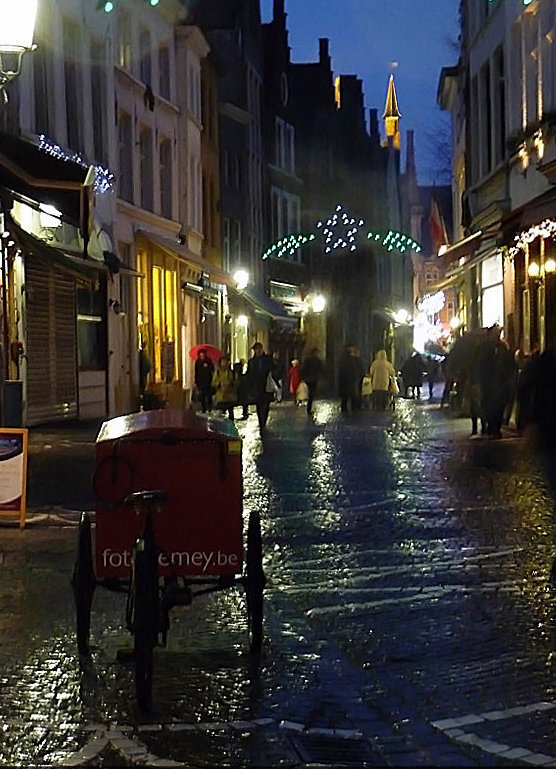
409,613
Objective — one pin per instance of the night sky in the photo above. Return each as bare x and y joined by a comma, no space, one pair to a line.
413,39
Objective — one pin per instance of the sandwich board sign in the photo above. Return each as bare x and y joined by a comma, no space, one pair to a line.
13,473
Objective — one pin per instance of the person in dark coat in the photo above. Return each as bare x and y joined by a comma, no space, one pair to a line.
241,387
204,370
496,369
259,366
412,375
312,371
350,376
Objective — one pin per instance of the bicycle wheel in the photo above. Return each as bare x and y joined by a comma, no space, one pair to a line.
255,582
145,620
83,583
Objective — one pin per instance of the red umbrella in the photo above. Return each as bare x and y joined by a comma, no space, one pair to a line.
214,353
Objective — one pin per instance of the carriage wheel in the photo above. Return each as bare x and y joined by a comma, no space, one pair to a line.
255,582
83,582
145,599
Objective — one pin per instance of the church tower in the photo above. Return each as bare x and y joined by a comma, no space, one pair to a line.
392,116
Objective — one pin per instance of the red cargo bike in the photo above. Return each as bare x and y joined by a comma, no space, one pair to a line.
169,526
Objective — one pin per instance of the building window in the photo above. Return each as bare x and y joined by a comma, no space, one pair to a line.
73,86
226,249
499,106
164,323
485,120
40,83
165,171
285,146
145,64
164,71
125,157
91,331
124,39
146,167
98,89
492,291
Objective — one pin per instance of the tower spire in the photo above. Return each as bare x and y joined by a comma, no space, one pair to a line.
392,115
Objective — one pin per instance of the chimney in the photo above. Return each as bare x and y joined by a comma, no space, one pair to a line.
324,57
279,10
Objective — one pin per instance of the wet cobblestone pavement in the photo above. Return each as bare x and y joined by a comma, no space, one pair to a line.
409,614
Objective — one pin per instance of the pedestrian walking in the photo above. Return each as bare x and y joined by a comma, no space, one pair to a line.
412,375
496,377
241,388
472,394
224,386
260,380
279,375
381,374
350,377
432,368
312,372
294,377
204,370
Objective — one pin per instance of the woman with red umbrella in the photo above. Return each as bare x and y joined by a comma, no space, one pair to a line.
204,370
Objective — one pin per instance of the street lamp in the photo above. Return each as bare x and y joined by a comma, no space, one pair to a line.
17,25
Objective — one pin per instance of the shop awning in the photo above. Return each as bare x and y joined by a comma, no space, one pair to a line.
462,248
265,305
33,176
34,248
216,274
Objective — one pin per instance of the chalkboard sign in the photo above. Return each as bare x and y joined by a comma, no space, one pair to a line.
13,473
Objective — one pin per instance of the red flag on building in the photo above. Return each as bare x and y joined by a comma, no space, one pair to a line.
437,228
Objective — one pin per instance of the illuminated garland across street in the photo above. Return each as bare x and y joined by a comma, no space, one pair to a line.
341,231
346,225
103,177
287,246
393,240
546,229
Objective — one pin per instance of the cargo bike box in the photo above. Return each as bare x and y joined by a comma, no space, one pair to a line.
169,525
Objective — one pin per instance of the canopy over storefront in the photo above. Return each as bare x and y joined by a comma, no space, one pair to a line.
215,274
35,177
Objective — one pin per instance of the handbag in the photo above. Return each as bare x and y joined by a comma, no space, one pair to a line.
366,386
270,387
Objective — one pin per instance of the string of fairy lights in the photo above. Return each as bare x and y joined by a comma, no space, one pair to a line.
341,231
104,178
545,229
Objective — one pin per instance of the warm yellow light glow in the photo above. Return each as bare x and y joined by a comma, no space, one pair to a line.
533,270
455,322
550,265
17,24
401,316
539,145
241,278
318,303
241,320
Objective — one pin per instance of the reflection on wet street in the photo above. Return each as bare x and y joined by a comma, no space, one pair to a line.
409,615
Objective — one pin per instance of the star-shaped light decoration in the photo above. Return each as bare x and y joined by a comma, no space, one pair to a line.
340,230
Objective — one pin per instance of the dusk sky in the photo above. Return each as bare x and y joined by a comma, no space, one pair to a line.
366,38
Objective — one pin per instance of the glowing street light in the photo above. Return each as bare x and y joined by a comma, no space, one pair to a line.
318,303
241,278
17,26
